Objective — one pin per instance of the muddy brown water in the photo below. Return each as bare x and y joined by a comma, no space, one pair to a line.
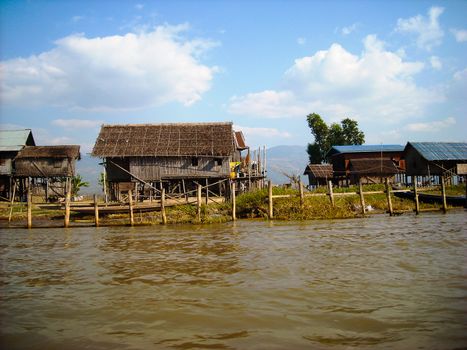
374,283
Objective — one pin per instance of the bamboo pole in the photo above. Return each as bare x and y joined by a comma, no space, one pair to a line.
29,199
302,198
362,198
96,211
331,195
443,193
67,202
12,201
388,196
234,204
130,206
270,208
198,202
207,191
415,191
164,216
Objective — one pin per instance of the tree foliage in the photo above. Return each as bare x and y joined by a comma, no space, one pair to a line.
77,183
345,133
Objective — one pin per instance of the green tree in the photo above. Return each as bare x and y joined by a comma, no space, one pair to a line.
345,133
77,183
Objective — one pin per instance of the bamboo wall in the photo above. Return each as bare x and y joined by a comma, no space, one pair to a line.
45,167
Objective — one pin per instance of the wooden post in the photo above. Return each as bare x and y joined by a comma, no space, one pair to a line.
234,204
302,198
207,191
198,202
96,211
270,208
67,202
12,201
362,198
331,195
104,180
388,196
130,205
443,193
47,190
29,198
164,217
415,191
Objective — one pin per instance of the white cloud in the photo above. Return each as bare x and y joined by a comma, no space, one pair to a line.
77,18
61,140
436,62
349,29
377,84
110,73
251,133
139,6
433,126
301,41
460,35
77,123
427,29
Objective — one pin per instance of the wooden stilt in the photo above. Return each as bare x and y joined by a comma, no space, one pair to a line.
388,196
164,217
207,191
67,202
415,191
234,204
198,202
362,198
12,201
331,195
130,206
29,199
443,193
302,198
96,211
270,208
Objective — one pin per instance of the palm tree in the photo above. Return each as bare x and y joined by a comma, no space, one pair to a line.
76,184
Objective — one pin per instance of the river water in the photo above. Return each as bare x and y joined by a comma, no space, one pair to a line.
373,283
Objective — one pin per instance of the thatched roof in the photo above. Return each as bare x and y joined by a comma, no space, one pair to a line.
372,167
319,171
240,141
62,151
172,139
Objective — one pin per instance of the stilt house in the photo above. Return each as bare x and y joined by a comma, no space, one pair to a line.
11,142
176,156
371,163
47,166
318,174
435,158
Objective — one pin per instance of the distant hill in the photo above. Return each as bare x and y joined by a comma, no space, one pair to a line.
291,160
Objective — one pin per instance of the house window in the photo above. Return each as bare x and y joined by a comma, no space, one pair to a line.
194,161
218,162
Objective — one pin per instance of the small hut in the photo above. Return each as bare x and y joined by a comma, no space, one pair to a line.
176,156
318,174
435,159
341,158
11,142
47,166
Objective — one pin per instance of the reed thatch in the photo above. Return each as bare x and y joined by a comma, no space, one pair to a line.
172,139
319,171
62,151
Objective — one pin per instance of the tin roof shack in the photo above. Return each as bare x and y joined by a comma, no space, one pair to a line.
11,142
47,166
318,174
435,158
178,155
375,164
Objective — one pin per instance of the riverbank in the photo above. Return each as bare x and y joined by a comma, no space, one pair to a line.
252,205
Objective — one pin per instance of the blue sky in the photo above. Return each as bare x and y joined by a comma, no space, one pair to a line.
398,67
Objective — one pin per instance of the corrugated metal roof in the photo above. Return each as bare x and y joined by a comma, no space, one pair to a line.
441,150
364,149
14,140
319,170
